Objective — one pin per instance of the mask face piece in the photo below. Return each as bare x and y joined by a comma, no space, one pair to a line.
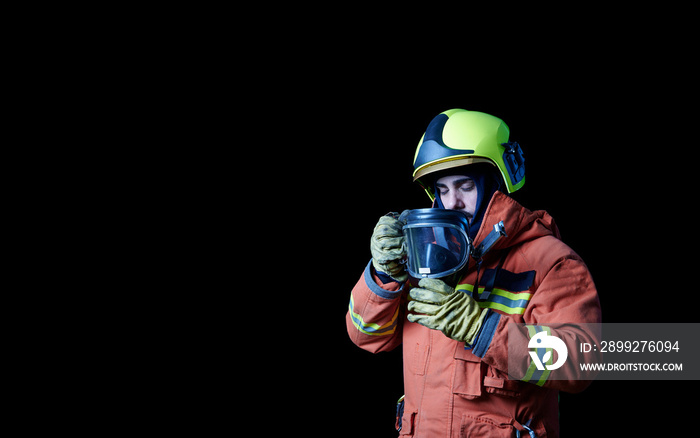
437,242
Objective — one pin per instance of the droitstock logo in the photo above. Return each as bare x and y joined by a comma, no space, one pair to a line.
603,351
550,342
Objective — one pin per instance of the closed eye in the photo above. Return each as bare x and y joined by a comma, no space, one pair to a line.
468,187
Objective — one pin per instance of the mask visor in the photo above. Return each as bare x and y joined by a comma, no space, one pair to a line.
435,248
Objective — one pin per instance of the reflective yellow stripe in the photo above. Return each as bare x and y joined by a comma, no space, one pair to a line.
370,328
510,295
491,304
467,287
503,308
533,368
497,291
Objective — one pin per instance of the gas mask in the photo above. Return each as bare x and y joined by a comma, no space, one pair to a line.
438,243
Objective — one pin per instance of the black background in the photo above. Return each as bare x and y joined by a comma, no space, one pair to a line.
308,128
608,157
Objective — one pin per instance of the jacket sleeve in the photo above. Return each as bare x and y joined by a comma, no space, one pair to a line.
564,304
375,315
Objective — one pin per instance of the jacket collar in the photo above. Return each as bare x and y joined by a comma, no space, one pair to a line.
521,224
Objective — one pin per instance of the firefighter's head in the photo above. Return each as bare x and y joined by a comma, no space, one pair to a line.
459,138
463,158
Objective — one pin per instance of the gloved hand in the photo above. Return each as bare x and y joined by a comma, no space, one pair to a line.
388,249
456,314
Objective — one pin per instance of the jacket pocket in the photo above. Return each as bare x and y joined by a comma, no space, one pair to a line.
496,384
492,427
497,426
469,373
420,359
407,423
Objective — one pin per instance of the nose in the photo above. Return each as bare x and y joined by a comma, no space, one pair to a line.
453,202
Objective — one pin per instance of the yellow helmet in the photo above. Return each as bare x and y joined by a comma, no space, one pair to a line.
459,137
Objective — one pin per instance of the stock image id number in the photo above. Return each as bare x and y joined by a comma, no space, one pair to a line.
631,347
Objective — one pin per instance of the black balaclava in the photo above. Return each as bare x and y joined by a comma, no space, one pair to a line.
487,181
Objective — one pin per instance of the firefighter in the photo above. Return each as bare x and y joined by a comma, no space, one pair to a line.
450,307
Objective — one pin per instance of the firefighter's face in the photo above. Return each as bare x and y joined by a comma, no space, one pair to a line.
458,192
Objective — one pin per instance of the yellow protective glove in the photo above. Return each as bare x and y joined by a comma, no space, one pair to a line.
440,307
388,249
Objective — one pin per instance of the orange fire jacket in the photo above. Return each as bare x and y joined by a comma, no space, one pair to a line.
453,389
